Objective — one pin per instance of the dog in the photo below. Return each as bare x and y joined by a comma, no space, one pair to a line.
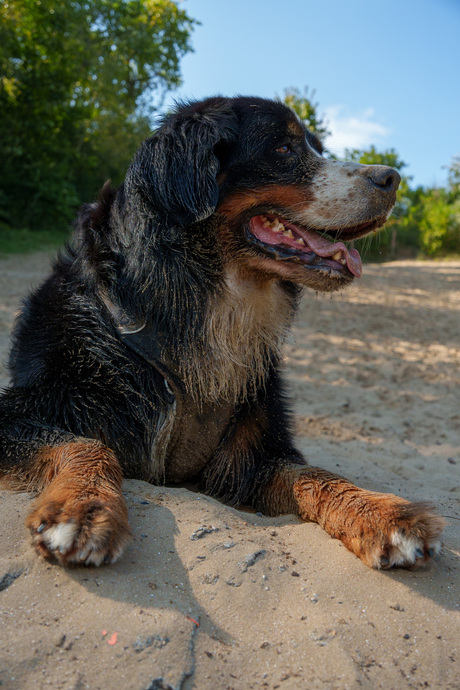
153,349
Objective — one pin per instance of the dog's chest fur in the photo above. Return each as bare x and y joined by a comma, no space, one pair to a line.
245,327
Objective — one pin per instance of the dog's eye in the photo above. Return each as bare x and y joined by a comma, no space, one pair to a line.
284,149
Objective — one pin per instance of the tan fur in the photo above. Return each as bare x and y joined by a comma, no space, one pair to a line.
296,128
277,196
245,324
249,435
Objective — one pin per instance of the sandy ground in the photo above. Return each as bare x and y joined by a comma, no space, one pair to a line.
255,602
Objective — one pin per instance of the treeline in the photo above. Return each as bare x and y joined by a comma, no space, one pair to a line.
79,85
79,82
425,221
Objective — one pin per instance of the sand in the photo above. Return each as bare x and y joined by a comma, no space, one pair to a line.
210,597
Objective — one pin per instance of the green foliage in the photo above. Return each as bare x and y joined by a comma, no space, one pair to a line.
439,224
374,157
454,179
307,110
79,81
23,241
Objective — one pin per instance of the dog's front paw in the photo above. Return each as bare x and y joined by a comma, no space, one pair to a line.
78,529
396,533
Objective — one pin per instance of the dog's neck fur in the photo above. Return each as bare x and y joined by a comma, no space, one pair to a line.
242,330
245,326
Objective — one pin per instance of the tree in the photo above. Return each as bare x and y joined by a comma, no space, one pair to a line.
77,87
307,110
373,157
439,223
453,179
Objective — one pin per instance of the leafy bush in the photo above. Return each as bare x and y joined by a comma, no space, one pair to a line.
78,83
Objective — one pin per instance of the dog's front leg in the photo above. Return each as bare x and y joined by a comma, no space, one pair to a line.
381,529
80,517
80,514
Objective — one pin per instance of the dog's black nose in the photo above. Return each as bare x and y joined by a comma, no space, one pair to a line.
384,177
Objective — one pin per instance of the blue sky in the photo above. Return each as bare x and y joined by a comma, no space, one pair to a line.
384,72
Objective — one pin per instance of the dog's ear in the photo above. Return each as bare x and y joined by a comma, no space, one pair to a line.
175,170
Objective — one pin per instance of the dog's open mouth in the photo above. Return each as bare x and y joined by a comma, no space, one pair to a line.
285,241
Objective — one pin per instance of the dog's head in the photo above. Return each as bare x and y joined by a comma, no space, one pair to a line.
278,207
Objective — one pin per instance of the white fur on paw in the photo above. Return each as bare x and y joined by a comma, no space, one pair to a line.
406,550
60,537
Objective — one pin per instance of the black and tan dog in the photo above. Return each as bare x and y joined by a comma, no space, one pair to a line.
153,349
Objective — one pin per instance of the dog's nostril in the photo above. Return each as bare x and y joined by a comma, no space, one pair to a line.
384,177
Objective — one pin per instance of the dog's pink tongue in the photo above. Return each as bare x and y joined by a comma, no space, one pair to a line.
325,248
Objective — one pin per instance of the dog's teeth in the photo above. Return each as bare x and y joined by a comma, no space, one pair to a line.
273,225
337,256
277,226
343,261
300,240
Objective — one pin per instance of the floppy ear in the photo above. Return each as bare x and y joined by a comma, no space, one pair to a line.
175,170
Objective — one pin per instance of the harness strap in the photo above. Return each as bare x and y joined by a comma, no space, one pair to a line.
144,339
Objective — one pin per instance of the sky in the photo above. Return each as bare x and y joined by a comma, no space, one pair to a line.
384,72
